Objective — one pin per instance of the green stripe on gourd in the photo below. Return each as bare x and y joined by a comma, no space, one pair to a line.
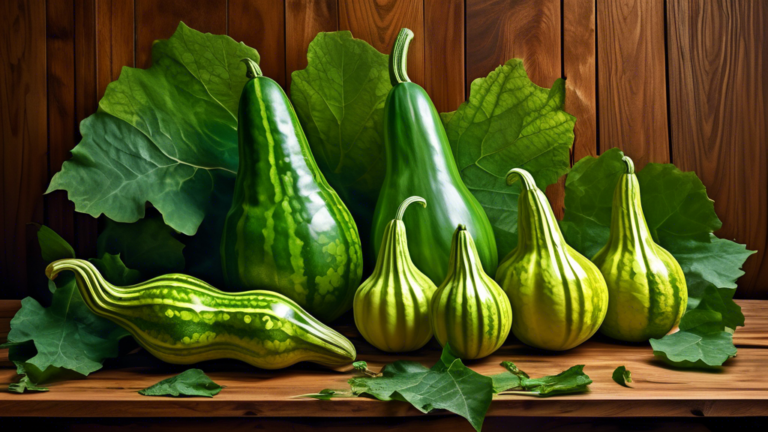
558,296
648,292
183,320
287,230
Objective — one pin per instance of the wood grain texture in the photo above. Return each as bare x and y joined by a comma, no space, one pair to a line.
718,94
378,22
86,103
499,30
741,389
260,24
158,19
114,41
304,19
60,41
23,116
580,74
444,53
632,77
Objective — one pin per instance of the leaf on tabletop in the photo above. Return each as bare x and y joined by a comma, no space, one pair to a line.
622,376
165,135
570,381
509,122
328,394
25,384
695,348
192,382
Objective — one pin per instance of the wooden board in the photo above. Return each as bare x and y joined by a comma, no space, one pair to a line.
444,53
632,76
260,24
741,389
304,19
718,95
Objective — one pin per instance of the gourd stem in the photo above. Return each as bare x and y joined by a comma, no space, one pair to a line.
398,59
252,68
408,201
528,182
630,164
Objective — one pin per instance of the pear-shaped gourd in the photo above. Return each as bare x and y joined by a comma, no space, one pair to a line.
648,293
392,306
469,310
558,296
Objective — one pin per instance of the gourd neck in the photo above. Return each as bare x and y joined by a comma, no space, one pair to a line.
398,59
537,226
252,69
100,296
408,201
394,254
628,222
464,262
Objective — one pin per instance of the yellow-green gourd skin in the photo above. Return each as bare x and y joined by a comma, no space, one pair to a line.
180,319
392,306
558,296
648,292
469,310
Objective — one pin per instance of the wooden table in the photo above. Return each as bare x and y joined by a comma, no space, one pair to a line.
740,389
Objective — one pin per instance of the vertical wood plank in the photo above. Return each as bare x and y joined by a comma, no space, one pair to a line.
260,24
23,117
158,19
444,53
86,228
304,19
718,93
580,75
498,30
114,41
632,79
378,22
60,45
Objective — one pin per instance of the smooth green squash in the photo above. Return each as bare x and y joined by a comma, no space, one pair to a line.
287,230
558,296
392,306
180,319
469,310
648,292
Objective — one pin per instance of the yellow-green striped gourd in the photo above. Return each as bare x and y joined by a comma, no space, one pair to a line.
392,306
648,292
558,296
183,320
469,310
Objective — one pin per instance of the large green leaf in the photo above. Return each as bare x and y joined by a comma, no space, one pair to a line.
339,99
509,122
192,382
165,135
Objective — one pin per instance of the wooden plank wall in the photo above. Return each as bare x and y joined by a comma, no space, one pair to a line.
684,81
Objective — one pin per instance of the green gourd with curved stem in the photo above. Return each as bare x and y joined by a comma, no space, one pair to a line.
558,296
183,320
469,310
420,163
287,230
392,306
648,292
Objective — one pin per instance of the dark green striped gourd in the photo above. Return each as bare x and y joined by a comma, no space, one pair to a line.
558,296
469,310
648,292
287,230
183,320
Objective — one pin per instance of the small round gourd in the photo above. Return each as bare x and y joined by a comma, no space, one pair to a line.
469,310
392,306
648,292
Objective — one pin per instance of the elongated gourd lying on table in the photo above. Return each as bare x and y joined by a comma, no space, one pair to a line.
183,320
392,306
420,163
648,292
558,296
287,229
469,310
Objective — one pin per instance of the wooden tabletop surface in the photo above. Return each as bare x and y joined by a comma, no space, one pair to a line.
739,389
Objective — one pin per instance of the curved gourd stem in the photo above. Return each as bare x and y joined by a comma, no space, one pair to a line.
630,164
408,201
528,182
398,59
252,68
